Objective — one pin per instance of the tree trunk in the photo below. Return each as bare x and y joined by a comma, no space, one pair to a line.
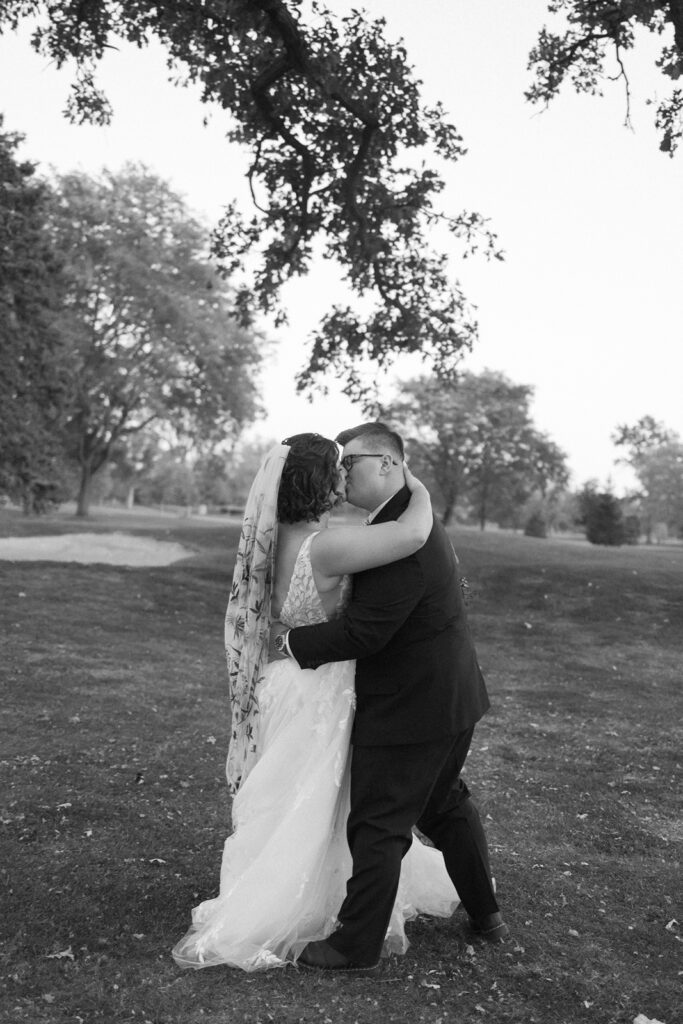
130,496
483,502
451,496
83,500
482,510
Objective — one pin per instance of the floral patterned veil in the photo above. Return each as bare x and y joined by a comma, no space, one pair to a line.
247,619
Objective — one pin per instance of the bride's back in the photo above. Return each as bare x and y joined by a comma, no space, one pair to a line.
291,537
311,484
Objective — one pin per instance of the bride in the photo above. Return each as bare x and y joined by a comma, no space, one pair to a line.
286,862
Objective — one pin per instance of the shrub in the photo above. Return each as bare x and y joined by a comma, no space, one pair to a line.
604,520
536,526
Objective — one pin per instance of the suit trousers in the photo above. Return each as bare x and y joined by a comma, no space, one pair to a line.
394,788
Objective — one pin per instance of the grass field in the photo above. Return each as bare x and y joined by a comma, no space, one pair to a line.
114,733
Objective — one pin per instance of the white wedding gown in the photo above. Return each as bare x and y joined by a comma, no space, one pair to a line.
285,866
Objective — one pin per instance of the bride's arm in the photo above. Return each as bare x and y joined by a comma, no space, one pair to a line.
348,549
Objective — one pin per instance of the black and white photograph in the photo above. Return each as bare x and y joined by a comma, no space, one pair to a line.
341,511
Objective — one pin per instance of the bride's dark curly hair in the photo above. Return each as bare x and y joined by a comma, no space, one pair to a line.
309,478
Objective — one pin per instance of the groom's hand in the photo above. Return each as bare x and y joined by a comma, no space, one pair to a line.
276,629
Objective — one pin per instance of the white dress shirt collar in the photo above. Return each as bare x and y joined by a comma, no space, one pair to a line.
375,512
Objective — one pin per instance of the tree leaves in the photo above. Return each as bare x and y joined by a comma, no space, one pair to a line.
599,30
33,375
342,163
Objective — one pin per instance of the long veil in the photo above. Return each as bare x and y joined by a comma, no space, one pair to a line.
247,618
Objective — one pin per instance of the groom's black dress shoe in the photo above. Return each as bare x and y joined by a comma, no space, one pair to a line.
491,928
322,957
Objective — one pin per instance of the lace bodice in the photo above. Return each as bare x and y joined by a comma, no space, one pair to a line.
302,605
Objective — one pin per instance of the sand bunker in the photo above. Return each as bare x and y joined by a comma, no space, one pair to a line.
109,548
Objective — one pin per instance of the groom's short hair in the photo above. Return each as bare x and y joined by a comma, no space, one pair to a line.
376,435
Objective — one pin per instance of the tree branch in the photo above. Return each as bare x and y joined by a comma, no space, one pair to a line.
627,85
293,59
259,91
567,58
296,59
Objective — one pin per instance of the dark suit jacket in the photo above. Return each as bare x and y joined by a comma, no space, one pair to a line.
417,675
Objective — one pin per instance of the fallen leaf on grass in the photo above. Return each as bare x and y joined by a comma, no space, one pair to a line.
673,923
65,954
48,997
642,1019
572,931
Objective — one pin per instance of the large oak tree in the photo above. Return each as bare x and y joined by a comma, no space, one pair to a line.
146,320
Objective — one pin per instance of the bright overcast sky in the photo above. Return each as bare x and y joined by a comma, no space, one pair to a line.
587,306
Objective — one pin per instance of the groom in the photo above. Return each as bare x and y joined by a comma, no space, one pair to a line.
419,692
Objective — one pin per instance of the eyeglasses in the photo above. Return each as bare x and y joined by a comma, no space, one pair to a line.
348,461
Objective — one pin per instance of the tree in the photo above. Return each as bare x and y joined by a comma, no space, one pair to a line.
644,435
661,476
149,331
32,382
210,472
475,438
536,525
343,154
600,513
654,453
132,462
242,466
596,29
170,481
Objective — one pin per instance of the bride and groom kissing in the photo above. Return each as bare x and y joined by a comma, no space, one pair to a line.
355,689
